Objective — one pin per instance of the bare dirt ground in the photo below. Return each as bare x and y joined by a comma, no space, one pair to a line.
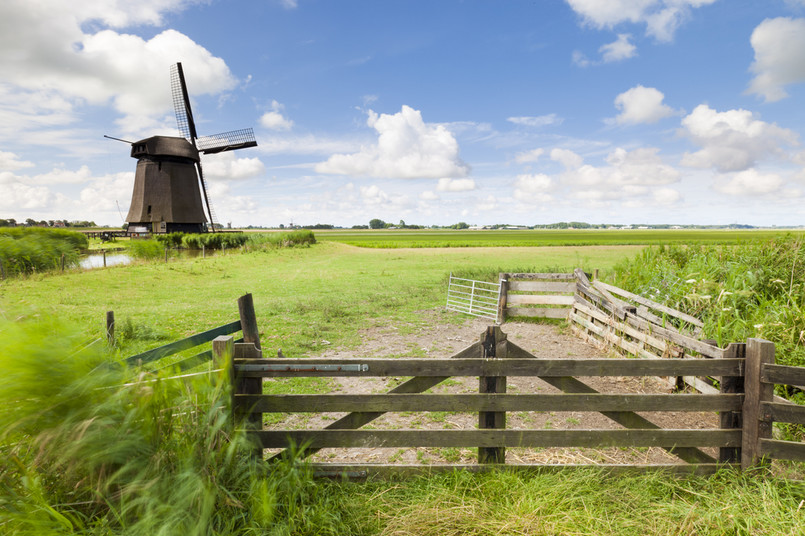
438,338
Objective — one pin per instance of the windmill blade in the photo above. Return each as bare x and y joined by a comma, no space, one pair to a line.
227,141
181,104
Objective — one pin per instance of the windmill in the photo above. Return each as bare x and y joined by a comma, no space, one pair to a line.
166,196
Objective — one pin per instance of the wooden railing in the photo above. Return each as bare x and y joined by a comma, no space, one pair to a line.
536,295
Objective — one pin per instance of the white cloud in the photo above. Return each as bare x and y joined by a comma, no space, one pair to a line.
68,54
532,189
536,121
529,156
227,166
274,120
733,140
641,105
779,46
428,195
567,158
749,183
406,148
661,17
455,185
618,50
11,162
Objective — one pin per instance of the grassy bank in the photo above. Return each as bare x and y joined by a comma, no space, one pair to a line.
27,250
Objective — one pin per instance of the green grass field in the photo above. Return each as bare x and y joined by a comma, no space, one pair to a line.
153,459
443,238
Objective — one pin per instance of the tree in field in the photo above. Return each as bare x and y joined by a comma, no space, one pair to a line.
377,224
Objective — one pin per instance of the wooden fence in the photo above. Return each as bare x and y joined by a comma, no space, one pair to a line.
540,295
741,441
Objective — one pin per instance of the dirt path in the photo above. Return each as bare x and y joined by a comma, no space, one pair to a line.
438,337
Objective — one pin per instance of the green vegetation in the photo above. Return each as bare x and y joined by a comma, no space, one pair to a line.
443,238
754,289
83,453
88,447
34,249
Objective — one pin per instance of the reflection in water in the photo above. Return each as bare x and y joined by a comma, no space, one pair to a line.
112,259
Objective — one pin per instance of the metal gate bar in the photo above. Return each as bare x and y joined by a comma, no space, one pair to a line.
476,298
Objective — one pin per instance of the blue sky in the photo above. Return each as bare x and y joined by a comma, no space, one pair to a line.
432,112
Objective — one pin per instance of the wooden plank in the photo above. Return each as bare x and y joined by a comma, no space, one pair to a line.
533,276
756,426
676,337
394,471
732,420
294,403
496,438
538,312
624,418
539,299
504,296
651,304
542,286
783,412
414,385
655,342
609,336
783,375
184,344
782,450
495,367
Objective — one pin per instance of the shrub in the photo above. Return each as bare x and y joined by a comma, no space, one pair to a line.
262,241
146,249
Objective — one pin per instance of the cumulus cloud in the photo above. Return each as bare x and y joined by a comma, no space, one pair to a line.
455,185
749,183
406,148
11,162
661,17
629,178
618,50
733,140
227,166
67,54
641,105
779,46
529,156
428,195
533,189
536,121
274,120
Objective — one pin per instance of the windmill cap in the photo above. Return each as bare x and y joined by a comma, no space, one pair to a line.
164,146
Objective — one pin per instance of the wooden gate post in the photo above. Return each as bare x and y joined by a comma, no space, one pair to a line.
250,348
504,297
756,425
493,346
732,420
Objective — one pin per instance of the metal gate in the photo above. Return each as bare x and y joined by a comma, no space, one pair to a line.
476,298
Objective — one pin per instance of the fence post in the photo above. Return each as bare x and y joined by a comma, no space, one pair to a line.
493,345
104,258
504,297
2,270
222,356
732,420
62,262
756,426
248,320
250,349
110,328
166,255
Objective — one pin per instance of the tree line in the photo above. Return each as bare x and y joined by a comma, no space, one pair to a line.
30,222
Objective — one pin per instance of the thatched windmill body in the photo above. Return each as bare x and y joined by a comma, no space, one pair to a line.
170,193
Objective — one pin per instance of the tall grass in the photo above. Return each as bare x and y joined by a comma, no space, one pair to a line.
756,289
263,241
91,448
26,250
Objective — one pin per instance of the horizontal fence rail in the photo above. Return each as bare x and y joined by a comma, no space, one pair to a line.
536,295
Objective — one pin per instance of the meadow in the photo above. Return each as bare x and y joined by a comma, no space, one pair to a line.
90,454
444,238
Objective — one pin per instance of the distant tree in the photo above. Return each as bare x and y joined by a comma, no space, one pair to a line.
401,225
460,225
376,223
282,226
360,226
30,222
